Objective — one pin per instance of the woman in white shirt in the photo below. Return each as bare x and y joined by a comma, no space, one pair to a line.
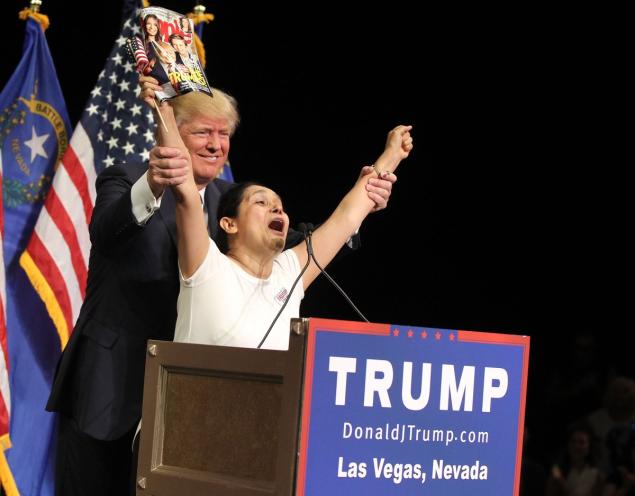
227,296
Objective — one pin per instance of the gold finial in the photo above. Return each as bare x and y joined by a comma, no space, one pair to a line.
35,5
199,9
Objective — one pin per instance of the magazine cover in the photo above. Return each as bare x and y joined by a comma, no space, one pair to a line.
166,51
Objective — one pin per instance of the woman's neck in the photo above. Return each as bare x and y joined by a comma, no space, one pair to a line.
259,266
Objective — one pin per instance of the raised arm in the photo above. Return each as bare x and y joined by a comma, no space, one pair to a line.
354,207
193,239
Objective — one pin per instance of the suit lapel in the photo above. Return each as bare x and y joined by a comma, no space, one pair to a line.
212,196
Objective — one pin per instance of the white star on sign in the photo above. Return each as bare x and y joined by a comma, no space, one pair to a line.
36,144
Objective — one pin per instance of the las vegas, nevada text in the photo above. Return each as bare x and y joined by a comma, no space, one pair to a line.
398,472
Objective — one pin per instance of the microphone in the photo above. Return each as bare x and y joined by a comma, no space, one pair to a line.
307,230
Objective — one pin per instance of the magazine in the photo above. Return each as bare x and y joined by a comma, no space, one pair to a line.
166,51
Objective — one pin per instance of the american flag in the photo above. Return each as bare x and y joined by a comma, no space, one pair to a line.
138,52
116,127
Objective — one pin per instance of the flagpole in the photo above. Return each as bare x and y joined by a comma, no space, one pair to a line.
158,112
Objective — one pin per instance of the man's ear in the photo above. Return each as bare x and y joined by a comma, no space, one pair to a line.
228,225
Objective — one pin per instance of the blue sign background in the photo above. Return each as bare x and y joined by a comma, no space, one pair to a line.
329,453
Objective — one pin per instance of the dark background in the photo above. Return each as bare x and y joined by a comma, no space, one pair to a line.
498,221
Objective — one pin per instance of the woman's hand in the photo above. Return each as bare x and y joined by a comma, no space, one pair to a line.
400,141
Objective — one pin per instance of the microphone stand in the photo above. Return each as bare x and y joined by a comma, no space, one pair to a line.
309,243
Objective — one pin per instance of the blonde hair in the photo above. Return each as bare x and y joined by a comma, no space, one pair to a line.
196,103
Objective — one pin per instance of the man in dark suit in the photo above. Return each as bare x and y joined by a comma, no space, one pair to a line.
133,285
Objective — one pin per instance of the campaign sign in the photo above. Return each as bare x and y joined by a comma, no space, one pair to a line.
390,409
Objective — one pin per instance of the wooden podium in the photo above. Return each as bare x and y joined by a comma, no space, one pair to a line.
220,420
351,408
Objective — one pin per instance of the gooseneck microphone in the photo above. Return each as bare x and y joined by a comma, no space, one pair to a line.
307,230
286,300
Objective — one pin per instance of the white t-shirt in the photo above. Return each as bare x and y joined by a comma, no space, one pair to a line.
221,304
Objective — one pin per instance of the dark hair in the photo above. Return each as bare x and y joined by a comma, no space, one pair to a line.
145,19
176,36
228,207
145,23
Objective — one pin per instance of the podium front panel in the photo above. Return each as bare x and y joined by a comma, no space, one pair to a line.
220,420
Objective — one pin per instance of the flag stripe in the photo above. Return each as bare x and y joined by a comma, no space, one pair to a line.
82,148
66,228
53,242
49,284
67,194
78,175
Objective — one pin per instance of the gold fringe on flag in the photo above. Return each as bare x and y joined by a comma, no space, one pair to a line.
6,477
200,49
35,15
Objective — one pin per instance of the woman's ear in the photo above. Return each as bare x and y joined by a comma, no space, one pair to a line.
228,225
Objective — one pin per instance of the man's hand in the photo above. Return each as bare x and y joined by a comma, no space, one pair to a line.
378,189
167,167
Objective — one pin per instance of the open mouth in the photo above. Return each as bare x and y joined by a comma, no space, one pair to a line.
276,225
